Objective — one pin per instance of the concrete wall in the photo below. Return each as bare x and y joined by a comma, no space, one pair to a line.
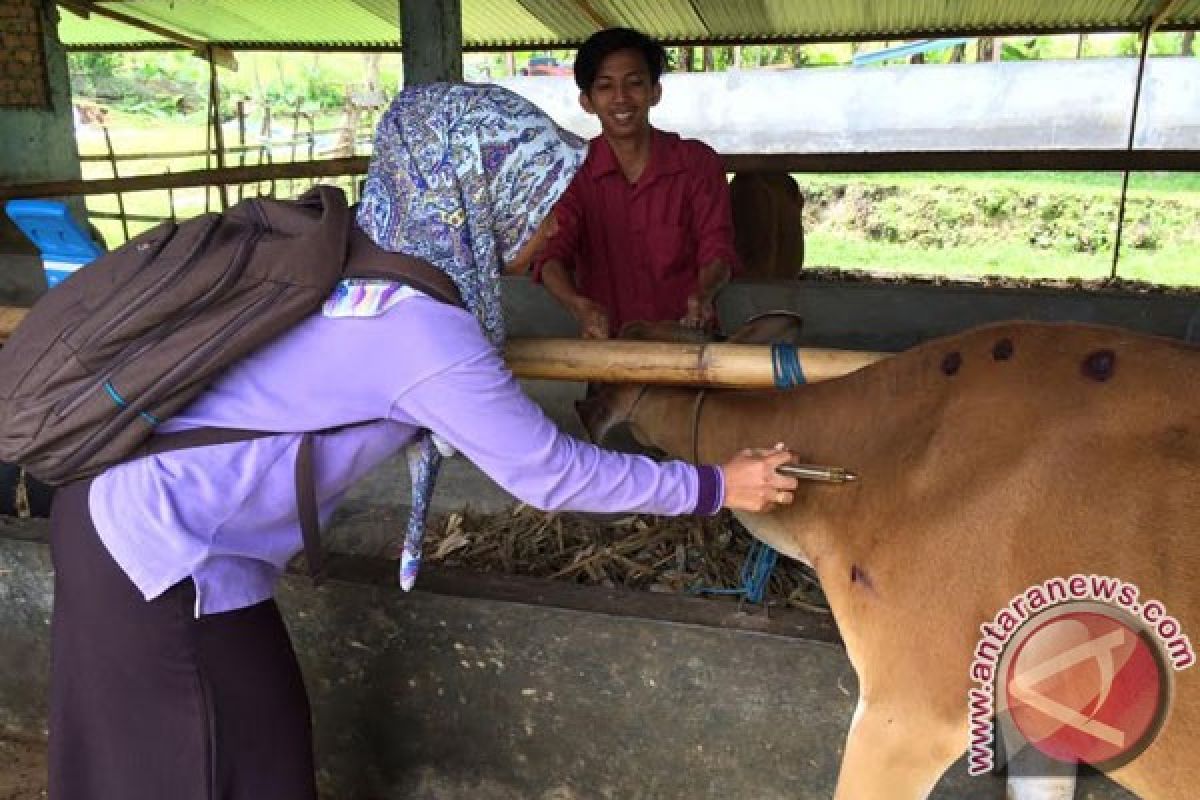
895,316
1001,105
447,693
36,144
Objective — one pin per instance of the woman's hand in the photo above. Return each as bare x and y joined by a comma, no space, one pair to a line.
752,484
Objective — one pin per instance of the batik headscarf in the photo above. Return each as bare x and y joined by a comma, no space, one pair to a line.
461,176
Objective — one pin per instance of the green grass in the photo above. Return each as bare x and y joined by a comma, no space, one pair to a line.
1031,181
1167,266
1174,261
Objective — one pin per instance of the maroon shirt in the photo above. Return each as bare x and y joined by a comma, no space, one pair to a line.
637,248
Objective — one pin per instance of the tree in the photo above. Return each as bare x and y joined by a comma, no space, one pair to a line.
685,59
959,54
1187,45
985,49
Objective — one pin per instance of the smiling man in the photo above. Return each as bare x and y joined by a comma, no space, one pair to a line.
644,230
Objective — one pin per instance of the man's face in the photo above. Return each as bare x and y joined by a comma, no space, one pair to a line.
622,95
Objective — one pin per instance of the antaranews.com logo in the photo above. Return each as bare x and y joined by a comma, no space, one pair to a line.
1077,667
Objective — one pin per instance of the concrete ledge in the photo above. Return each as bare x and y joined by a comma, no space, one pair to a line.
435,695
894,316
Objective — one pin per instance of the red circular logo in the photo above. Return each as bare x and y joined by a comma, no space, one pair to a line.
1084,686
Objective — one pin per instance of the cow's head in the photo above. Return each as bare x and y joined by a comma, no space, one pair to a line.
610,406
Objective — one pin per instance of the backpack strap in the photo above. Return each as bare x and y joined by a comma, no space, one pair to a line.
305,479
365,259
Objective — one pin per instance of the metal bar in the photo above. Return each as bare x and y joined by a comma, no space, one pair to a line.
1165,7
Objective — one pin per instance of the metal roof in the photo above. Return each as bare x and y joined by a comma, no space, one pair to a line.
524,24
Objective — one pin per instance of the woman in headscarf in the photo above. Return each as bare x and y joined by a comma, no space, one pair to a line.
173,674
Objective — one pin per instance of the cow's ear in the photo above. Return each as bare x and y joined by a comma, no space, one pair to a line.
605,409
773,327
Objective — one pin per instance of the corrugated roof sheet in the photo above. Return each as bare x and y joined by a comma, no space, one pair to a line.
249,24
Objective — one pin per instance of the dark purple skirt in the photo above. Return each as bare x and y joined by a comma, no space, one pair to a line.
147,702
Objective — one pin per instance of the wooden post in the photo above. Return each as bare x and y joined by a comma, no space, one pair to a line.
241,118
214,103
295,136
112,162
265,142
312,141
171,197
431,36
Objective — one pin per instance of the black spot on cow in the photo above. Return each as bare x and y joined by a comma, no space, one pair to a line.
951,363
1099,366
1002,350
858,575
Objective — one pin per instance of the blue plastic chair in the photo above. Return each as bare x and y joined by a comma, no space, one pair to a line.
64,245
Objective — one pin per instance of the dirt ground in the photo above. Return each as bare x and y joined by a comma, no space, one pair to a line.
23,770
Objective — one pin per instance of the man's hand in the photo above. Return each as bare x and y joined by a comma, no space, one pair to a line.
700,312
752,484
700,309
593,319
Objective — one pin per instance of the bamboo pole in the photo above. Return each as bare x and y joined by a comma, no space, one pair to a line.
744,366
9,319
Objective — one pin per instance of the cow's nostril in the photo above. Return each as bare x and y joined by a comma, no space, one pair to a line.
1003,350
1099,365
951,363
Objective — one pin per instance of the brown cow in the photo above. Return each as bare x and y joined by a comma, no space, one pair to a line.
989,462
768,231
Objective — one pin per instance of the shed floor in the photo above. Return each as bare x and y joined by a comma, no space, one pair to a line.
24,774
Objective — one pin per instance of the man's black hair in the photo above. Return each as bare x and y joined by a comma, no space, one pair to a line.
602,44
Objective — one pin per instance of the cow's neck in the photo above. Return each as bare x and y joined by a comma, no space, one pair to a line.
822,424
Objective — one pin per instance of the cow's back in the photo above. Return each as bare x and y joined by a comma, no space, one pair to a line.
1007,456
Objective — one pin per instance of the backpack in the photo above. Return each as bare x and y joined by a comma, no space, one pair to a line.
137,334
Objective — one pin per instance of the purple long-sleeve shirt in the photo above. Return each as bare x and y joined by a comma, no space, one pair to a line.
225,515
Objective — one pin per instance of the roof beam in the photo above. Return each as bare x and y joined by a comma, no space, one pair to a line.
1165,7
219,55
593,16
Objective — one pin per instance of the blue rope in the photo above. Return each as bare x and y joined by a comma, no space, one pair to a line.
761,558
785,365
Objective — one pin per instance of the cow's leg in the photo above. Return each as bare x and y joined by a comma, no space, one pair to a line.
895,753
1033,775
